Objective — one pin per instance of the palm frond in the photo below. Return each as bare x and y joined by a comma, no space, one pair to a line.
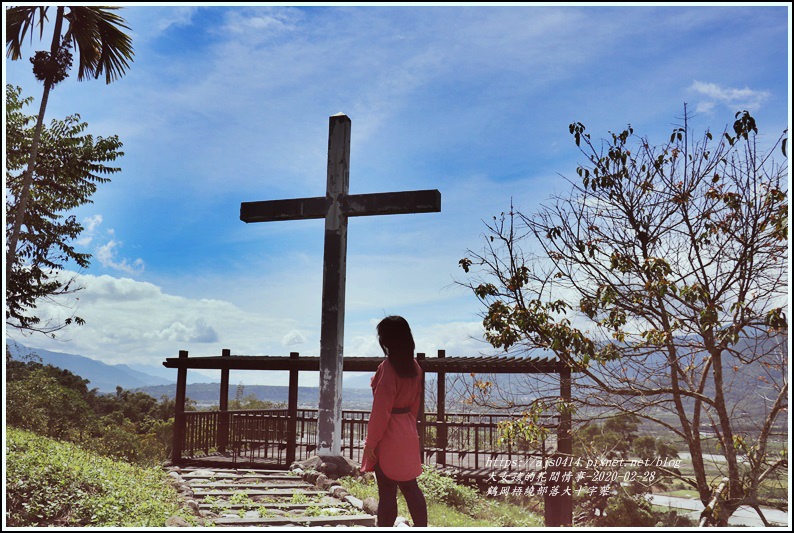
18,21
96,33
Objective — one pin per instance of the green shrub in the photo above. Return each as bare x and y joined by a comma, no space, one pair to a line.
634,510
438,487
53,402
52,483
41,404
627,510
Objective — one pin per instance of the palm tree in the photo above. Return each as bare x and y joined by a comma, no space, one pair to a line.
96,34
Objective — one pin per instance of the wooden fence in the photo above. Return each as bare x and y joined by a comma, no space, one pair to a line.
461,440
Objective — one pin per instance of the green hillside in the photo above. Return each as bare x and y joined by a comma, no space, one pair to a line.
53,483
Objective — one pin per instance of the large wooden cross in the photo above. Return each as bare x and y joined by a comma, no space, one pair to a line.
335,207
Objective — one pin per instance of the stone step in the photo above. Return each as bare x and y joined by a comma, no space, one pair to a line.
243,486
346,520
274,493
242,471
282,506
225,475
278,487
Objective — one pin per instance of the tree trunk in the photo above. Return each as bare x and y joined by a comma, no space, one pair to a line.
27,179
735,495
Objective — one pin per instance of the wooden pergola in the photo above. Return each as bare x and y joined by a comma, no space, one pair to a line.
558,508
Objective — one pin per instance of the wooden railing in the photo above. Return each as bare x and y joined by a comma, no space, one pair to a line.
201,432
472,440
461,440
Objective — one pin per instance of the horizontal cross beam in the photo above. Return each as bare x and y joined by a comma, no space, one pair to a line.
272,210
352,205
392,203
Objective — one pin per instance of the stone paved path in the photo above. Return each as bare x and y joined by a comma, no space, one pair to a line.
254,497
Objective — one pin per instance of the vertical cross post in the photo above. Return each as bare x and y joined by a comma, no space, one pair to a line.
336,207
332,322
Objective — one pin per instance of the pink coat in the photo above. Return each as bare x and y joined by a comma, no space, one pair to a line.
394,436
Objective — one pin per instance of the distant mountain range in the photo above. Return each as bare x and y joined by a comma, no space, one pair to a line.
208,394
106,378
101,376
160,380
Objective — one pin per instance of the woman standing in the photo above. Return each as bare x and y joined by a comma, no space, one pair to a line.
392,446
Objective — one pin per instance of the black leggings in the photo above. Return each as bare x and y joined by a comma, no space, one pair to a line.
387,496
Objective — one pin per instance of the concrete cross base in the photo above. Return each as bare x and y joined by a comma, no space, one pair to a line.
333,466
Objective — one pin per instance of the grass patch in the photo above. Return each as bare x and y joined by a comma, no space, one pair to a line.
52,483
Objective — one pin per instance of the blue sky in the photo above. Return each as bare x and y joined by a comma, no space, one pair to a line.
230,104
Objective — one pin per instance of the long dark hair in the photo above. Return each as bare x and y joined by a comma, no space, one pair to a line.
397,342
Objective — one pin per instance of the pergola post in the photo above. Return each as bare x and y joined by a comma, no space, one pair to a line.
179,410
559,508
223,407
292,412
441,417
565,445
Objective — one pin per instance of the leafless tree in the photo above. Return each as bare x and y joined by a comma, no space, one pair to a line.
661,279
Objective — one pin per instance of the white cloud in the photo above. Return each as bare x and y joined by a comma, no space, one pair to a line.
129,321
147,24
411,55
455,338
261,21
705,107
110,289
175,16
196,332
293,338
90,225
732,98
107,256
